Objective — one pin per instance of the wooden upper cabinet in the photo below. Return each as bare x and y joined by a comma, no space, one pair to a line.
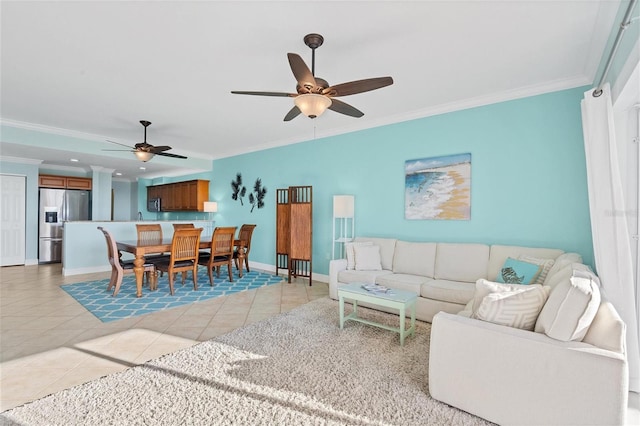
64,182
79,183
181,196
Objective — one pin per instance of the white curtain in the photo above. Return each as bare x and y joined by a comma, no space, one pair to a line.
611,239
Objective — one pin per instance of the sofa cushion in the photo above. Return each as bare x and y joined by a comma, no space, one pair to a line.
448,291
571,308
461,262
414,258
367,258
499,254
387,247
561,262
513,307
403,282
607,330
564,274
369,277
516,271
349,249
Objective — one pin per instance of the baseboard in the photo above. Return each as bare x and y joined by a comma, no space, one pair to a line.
29,262
272,268
88,270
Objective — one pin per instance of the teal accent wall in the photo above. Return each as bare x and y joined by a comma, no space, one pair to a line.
528,184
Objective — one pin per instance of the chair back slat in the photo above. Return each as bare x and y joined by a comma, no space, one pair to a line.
183,225
246,231
222,241
185,244
149,234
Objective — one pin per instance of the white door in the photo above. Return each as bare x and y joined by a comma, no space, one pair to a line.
12,220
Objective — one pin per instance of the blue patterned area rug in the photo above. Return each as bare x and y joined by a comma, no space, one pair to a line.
93,295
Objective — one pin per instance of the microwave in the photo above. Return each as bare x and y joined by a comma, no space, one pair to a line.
153,204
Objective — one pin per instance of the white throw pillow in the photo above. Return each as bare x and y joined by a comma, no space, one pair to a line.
518,308
367,258
546,265
349,250
571,307
485,287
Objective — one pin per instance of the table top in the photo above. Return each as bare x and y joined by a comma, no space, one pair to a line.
161,246
392,294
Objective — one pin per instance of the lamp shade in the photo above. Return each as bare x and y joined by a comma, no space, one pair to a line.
143,155
210,206
343,205
312,105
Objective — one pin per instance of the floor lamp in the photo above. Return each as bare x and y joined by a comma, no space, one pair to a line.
343,222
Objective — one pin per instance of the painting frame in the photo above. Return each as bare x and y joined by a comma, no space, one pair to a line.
438,188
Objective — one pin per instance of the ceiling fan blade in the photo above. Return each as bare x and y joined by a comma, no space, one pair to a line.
158,149
281,94
358,86
344,108
301,71
120,150
118,143
166,154
293,113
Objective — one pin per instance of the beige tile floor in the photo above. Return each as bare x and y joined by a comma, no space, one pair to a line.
49,342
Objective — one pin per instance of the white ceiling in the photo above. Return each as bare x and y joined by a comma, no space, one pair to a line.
94,69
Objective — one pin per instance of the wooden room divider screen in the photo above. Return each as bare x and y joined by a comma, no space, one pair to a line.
294,223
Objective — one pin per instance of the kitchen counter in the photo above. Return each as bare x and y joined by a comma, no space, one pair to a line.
84,249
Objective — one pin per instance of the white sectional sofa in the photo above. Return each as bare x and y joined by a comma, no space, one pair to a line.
442,274
569,369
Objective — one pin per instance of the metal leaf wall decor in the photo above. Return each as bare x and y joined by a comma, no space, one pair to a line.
256,198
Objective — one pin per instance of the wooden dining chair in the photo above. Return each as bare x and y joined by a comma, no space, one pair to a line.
246,231
120,267
151,234
183,226
221,252
183,257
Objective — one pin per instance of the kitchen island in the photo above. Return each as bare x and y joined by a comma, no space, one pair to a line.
84,249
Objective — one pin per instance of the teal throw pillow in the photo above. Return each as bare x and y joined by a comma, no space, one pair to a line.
518,272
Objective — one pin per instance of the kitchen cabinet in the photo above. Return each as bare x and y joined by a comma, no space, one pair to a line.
181,196
64,182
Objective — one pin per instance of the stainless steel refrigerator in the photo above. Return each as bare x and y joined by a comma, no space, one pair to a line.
56,207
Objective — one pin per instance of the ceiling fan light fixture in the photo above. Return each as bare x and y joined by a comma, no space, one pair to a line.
143,155
311,104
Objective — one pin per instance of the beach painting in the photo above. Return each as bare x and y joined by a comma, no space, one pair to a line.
438,188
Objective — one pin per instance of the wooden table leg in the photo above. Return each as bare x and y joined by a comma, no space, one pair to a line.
240,260
138,268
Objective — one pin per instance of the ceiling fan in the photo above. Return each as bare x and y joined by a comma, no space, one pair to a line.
145,151
314,94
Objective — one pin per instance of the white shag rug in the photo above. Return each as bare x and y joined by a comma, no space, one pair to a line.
297,368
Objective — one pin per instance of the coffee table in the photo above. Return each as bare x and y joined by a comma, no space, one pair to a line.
395,299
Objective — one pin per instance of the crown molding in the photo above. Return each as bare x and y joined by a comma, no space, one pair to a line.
52,130
19,160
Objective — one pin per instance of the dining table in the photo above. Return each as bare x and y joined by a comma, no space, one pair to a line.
141,248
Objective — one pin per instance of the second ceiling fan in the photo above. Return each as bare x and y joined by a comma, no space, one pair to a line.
145,151
314,95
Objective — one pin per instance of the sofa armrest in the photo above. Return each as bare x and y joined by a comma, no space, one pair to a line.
513,376
335,266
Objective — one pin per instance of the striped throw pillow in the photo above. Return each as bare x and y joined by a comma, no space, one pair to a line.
515,308
546,265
